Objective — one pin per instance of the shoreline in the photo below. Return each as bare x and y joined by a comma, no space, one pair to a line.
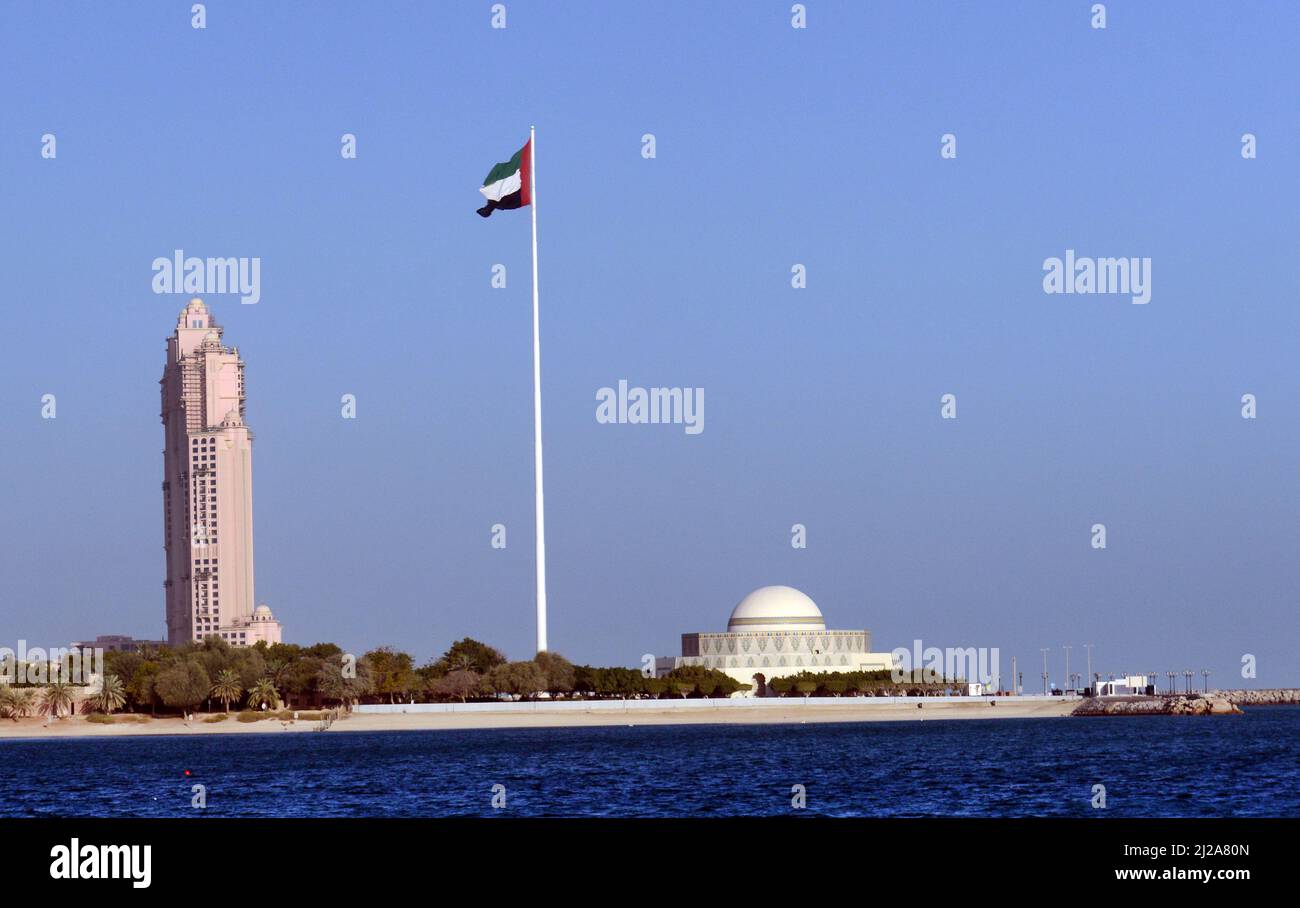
794,713
573,714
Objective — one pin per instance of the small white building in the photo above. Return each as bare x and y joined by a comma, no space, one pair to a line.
259,627
774,632
1128,686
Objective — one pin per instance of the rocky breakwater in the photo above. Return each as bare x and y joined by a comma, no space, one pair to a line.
1274,696
1191,705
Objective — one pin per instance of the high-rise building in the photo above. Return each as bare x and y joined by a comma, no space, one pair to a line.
208,489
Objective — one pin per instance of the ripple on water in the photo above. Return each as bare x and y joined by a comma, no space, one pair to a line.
1151,766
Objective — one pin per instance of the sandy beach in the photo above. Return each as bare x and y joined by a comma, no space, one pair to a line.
860,710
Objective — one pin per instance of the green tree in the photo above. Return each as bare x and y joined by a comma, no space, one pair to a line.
459,684
16,702
323,650
468,655
523,679
609,682
282,654
299,681
345,687
183,685
252,665
277,669
263,693
216,655
56,699
124,664
227,688
706,681
24,702
143,689
557,670
110,696
392,672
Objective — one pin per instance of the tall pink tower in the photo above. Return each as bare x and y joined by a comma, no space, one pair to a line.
208,489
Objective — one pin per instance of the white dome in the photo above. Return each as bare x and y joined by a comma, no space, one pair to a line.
772,608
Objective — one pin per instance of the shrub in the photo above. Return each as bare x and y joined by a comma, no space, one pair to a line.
99,719
249,715
707,682
304,715
216,717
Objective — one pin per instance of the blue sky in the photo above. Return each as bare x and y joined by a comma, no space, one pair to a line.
775,146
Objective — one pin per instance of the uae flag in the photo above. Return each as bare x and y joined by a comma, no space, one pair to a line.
510,184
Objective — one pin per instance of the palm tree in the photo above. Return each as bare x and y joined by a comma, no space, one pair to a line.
7,702
19,702
56,699
279,672
227,687
279,669
111,695
263,692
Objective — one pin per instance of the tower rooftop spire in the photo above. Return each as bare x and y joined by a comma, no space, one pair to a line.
196,315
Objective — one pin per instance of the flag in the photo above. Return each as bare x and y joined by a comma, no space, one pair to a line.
510,183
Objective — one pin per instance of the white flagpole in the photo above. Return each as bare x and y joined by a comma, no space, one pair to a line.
537,407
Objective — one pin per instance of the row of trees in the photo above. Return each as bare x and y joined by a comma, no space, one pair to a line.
881,683
452,678
181,679
256,677
267,677
56,699
17,702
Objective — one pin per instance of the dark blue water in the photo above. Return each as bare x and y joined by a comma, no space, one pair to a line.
1151,766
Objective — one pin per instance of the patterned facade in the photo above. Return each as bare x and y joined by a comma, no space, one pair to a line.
208,489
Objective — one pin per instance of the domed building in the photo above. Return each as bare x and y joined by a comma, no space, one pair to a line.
776,608
259,627
773,632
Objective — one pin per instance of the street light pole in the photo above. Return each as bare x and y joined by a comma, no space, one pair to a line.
1044,651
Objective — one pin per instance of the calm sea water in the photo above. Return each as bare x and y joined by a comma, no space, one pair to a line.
1151,766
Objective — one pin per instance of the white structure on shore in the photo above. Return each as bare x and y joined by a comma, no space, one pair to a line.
1129,685
773,632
